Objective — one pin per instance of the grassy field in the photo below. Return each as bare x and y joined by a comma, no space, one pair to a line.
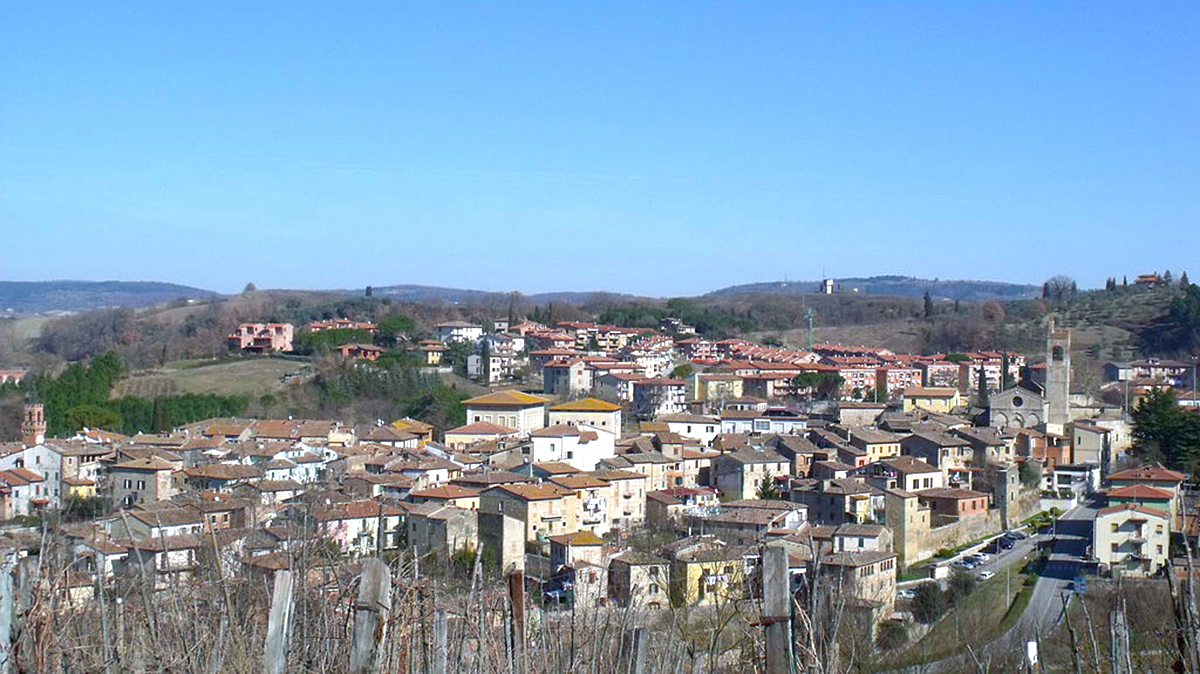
249,377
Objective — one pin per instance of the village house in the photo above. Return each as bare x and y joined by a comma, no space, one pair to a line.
588,412
695,426
544,509
522,412
666,507
441,528
739,474
262,337
746,522
950,454
658,396
464,437
940,400
360,352
705,570
580,446
142,481
638,580
1131,540
459,331
360,528
954,503
835,500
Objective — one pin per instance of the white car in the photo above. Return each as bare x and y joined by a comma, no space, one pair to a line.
984,575
980,557
905,593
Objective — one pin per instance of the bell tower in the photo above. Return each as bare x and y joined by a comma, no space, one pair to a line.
33,425
1058,378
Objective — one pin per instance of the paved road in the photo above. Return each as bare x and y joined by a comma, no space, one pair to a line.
1072,535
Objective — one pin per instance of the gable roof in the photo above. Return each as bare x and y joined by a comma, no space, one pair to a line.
481,428
1140,491
1149,474
1131,507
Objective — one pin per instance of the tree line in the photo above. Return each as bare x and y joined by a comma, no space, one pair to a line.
80,396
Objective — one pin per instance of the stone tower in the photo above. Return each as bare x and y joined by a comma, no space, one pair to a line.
1058,379
33,425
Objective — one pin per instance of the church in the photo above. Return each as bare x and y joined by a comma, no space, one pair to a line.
1030,405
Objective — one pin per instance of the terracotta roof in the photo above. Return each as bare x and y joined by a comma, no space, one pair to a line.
445,492
481,428
1149,474
950,492
1140,491
531,492
556,431
1133,507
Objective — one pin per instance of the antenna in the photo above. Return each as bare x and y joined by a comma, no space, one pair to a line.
808,319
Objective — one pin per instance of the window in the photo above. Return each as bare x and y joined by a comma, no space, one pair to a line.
1115,526
654,572
1159,549
141,484
129,484
1116,547
653,589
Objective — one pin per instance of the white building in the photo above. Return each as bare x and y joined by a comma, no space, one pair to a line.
459,331
581,446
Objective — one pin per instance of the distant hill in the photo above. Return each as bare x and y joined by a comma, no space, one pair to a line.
44,296
422,293
903,286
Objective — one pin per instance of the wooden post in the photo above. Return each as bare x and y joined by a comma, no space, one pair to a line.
516,599
6,612
370,614
777,610
441,643
274,655
633,651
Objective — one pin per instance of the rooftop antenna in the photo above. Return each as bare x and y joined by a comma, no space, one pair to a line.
808,319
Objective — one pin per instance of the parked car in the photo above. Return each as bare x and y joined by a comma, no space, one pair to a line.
1016,536
905,593
984,575
980,557
967,563
1005,543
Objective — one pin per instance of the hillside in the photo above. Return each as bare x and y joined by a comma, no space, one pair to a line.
903,286
31,297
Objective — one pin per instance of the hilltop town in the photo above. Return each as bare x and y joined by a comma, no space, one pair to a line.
671,486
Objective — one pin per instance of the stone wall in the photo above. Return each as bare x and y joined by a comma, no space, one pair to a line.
918,542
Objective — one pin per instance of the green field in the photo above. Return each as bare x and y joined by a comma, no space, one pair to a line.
249,377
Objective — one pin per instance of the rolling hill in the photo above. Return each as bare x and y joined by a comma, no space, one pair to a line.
902,286
31,297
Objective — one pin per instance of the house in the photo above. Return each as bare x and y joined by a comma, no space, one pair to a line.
448,494
567,377
441,529
1169,481
776,420
21,492
869,577
544,509
861,538
658,396
834,501
464,437
262,337
666,507
588,412
1092,444
143,481
942,400
950,454
739,474
954,503
617,385
580,446
360,527
695,426
746,522
519,411
360,352
877,444
905,473
596,498
705,570
627,507
638,580
1155,498
459,331
570,549
432,352
1130,539
221,476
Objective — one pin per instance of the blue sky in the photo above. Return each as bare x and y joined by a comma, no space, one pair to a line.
657,148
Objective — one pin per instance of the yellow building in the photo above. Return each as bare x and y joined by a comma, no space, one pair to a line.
1130,539
78,487
930,399
588,412
704,570
718,386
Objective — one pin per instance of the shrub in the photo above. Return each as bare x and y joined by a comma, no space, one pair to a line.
892,635
929,603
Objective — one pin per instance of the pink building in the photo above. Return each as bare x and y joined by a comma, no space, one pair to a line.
262,337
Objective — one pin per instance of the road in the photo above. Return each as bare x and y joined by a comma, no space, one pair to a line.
1072,534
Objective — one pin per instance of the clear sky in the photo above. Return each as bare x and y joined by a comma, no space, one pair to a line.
649,147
